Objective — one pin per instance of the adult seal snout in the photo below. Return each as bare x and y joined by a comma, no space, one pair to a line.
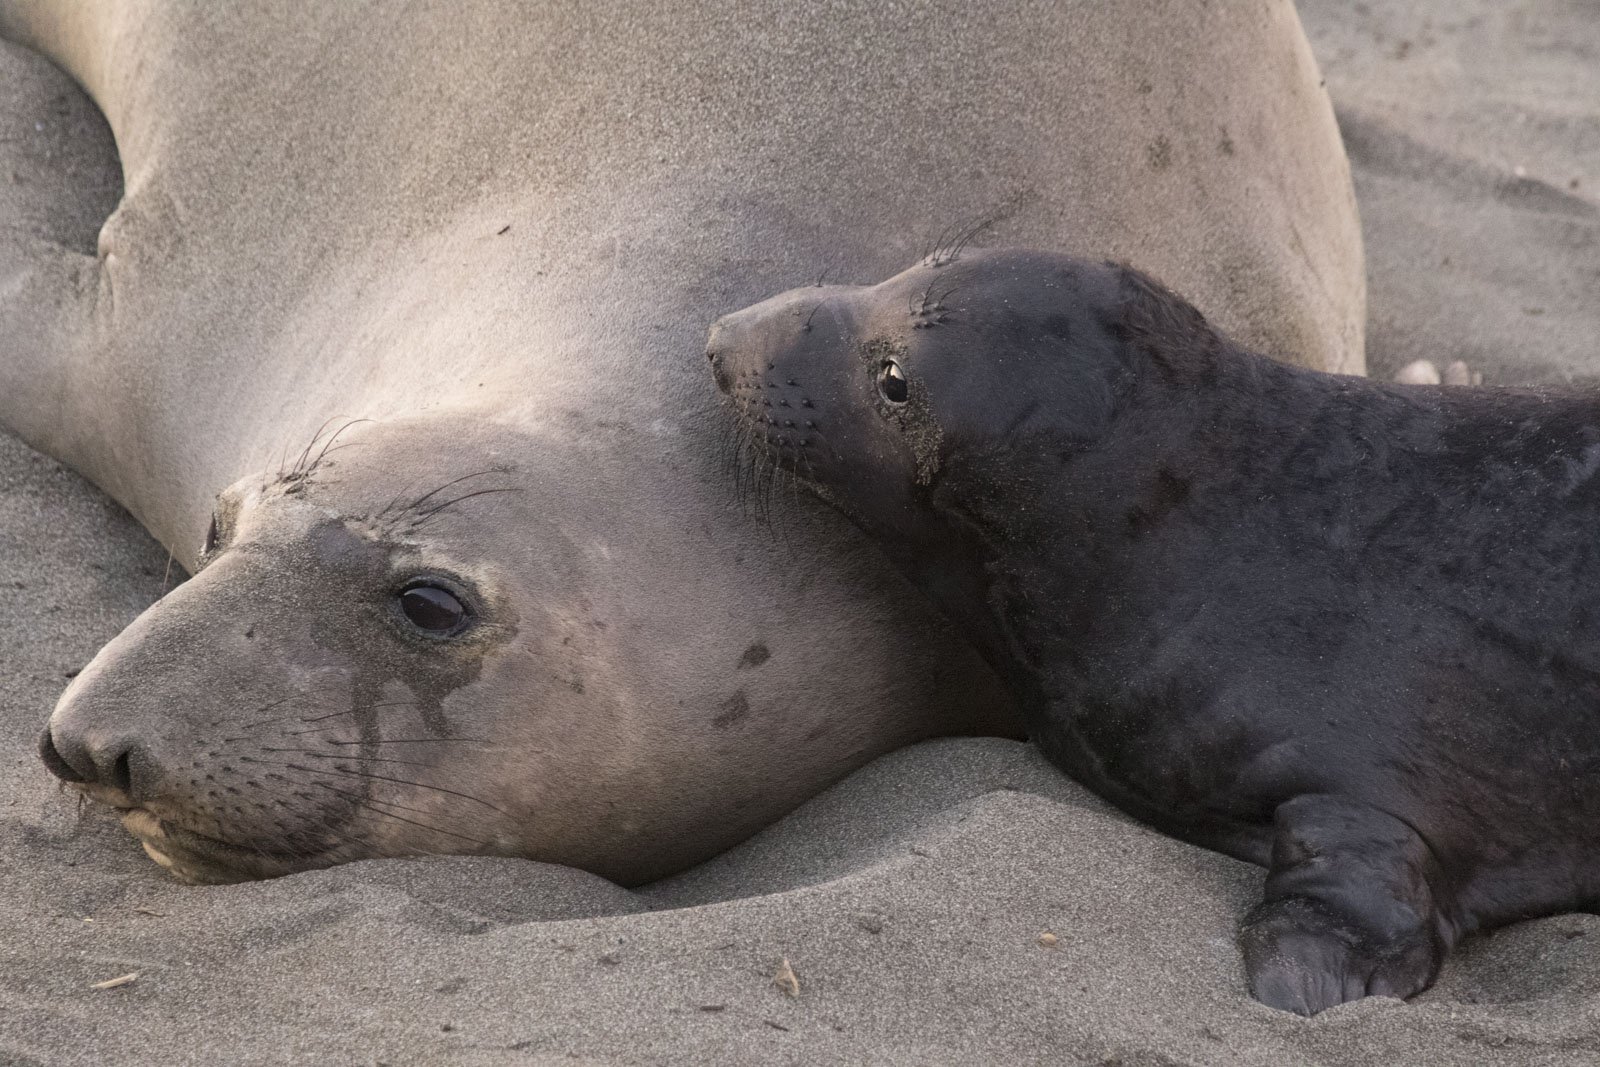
1338,628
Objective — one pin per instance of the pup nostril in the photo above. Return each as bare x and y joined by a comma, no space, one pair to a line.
55,762
719,371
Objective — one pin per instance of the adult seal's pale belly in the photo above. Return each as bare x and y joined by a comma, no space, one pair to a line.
518,611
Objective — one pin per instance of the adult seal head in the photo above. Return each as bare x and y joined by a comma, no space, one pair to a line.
1337,628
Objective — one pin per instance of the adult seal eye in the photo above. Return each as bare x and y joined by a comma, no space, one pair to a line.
432,609
892,382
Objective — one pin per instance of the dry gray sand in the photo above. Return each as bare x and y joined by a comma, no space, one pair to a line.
910,899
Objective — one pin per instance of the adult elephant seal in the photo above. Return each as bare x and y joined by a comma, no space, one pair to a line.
1341,629
518,611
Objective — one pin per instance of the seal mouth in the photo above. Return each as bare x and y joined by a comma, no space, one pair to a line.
197,858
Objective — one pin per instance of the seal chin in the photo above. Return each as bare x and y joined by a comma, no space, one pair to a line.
201,860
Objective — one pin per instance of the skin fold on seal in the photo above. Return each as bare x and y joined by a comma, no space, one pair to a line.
1342,629
517,610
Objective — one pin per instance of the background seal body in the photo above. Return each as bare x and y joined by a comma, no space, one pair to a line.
1339,628
503,250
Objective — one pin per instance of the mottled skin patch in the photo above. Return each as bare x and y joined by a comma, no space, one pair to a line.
733,709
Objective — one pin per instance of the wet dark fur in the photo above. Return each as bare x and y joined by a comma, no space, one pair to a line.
1344,629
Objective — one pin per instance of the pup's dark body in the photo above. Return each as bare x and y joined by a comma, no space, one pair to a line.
1346,630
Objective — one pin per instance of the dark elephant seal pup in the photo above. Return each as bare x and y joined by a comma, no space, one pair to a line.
1343,629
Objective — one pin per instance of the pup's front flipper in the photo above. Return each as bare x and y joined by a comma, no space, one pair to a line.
1349,909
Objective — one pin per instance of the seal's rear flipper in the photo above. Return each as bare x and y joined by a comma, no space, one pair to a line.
1349,909
59,180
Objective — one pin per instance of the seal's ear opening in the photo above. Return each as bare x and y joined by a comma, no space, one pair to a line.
1160,324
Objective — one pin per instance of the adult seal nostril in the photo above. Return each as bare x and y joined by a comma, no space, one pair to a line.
116,768
56,763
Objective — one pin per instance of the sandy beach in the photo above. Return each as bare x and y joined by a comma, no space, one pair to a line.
912,901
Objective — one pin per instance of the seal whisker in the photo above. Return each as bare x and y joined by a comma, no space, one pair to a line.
968,235
312,444
372,805
746,462
395,500
806,326
329,444
728,448
369,803
728,452
1005,210
416,741
421,785
340,834
318,718
454,481
745,479
933,254
264,722
332,755
348,772
356,708
359,798
431,512
768,483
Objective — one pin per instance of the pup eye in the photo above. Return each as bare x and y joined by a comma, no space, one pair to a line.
892,383
210,543
432,609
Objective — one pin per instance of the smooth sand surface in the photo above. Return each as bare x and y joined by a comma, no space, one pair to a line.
909,900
